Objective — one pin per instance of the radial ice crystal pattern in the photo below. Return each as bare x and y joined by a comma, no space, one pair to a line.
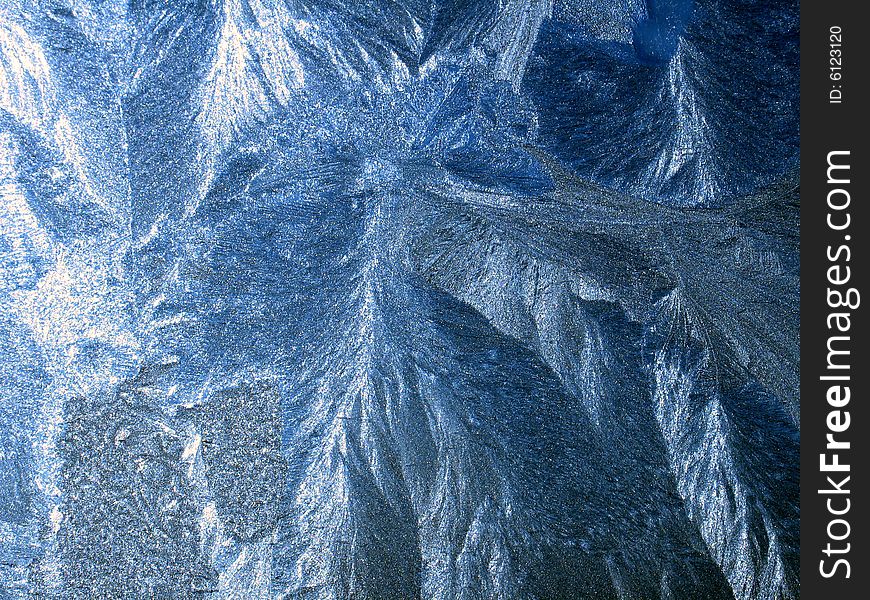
387,299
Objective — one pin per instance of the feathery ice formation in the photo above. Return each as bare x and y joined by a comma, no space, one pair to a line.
386,299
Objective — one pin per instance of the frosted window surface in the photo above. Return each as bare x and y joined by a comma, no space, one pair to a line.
387,299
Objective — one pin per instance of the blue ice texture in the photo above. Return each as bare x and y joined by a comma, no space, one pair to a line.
399,299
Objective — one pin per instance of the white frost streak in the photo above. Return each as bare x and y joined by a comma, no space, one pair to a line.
717,500
254,68
514,36
27,93
25,90
689,145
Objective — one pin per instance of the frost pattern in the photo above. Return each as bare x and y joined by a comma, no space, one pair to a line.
448,299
